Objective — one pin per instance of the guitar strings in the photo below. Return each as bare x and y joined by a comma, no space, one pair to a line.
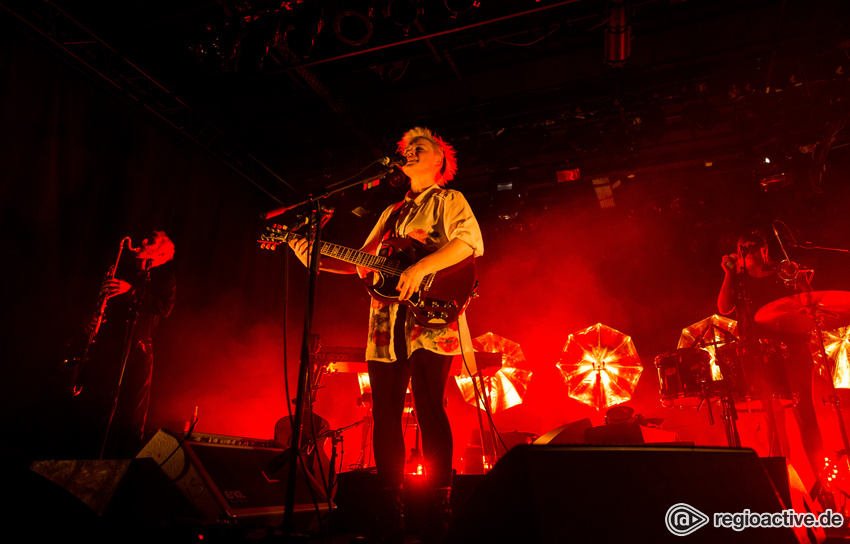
375,262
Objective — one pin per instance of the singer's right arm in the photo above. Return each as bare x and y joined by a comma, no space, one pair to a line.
726,299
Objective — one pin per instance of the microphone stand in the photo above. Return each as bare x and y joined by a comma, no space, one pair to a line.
128,345
329,191
336,438
316,224
809,245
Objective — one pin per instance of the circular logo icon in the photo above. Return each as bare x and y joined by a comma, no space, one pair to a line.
683,519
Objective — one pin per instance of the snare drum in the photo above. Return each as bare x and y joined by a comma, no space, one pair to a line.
681,375
754,371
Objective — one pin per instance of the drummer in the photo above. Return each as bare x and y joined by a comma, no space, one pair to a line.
751,281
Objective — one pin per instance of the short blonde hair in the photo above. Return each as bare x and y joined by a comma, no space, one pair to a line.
443,148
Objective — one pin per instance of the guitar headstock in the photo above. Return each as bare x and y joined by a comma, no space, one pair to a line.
276,235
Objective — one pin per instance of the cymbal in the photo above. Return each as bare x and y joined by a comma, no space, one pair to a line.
797,313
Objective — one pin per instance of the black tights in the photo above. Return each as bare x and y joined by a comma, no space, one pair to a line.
427,373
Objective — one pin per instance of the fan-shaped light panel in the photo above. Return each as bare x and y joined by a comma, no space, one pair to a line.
508,385
707,334
837,345
600,366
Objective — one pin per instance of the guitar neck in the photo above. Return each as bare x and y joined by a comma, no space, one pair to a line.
342,253
441,296
354,256
366,260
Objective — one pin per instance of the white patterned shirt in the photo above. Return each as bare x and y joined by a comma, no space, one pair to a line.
435,217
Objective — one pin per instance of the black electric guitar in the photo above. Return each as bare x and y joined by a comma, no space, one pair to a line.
442,296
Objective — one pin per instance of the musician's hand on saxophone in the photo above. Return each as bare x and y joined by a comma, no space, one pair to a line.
113,287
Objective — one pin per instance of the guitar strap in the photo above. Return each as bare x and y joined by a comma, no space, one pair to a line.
389,226
394,217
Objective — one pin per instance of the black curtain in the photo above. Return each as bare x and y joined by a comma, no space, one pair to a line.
81,168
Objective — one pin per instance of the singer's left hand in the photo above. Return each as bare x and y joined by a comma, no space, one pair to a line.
115,287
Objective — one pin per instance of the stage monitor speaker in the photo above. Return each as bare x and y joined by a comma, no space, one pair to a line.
43,510
92,481
615,494
228,477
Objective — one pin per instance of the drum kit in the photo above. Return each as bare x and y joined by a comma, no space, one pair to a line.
720,368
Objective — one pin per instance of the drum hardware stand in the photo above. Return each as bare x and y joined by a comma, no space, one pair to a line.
728,413
730,418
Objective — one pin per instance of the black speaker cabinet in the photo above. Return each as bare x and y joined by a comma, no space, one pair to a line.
614,494
228,478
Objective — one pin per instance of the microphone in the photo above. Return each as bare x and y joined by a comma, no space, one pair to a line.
396,159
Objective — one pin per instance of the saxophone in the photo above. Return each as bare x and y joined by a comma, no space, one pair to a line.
74,387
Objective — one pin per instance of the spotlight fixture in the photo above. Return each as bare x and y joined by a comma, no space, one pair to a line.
353,22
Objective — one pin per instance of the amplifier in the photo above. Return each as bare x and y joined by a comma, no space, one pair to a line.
227,477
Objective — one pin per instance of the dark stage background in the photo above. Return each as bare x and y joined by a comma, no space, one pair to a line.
80,169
